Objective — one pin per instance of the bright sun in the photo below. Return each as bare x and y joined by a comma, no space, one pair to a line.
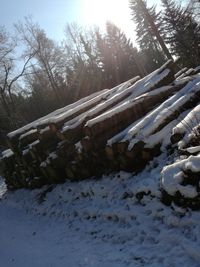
99,11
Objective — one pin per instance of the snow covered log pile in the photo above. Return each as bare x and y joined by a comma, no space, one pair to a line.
118,128
180,182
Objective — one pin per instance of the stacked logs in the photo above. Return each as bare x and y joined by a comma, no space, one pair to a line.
180,181
141,141
97,133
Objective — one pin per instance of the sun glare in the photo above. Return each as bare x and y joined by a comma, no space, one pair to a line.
99,11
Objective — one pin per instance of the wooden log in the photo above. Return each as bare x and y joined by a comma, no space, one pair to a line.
122,146
110,153
37,151
108,115
180,72
8,160
188,125
69,173
146,126
77,124
114,152
169,68
27,138
64,148
71,134
48,139
72,129
27,157
197,70
190,103
46,133
87,144
42,122
122,116
175,138
58,121
135,150
52,175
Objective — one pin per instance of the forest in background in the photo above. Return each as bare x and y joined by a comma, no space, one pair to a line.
38,75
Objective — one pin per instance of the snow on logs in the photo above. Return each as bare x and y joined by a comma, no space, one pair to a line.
187,131
180,183
108,130
141,141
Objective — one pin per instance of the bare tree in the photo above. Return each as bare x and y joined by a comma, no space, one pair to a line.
8,74
49,57
84,71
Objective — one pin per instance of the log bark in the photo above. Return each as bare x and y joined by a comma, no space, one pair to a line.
28,138
111,114
73,129
59,121
123,116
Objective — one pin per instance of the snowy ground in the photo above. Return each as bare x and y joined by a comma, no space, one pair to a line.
107,222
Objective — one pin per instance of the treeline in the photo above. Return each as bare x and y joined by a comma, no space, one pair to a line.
38,75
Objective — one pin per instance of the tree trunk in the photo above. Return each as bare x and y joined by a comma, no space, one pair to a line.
156,32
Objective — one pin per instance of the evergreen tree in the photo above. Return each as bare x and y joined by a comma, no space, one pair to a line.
144,18
182,33
84,75
117,56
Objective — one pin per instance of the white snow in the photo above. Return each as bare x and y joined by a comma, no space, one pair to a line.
30,146
98,222
193,163
106,97
139,90
173,175
33,144
144,128
46,119
186,73
64,113
50,157
45,129
158,115
27,133
79,147
161,137
187,191
7,153
122,93
188,126
189,122
197,69
193,149
180,72
125,105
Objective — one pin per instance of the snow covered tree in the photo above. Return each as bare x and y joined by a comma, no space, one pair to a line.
182,33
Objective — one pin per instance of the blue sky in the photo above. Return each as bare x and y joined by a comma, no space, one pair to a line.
52,16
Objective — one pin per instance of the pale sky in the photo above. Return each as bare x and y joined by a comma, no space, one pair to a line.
53,15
